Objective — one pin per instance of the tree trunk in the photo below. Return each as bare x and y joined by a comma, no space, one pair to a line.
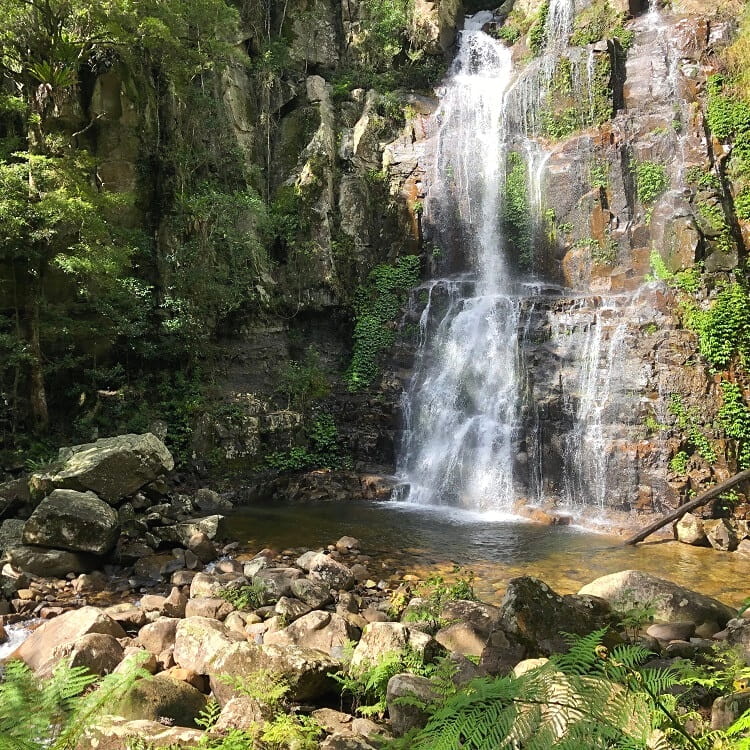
37,390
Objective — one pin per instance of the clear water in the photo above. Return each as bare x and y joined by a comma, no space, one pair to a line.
403,537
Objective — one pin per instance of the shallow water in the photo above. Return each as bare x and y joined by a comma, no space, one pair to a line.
404,538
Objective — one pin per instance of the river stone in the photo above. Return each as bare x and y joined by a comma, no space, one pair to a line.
158,636
129,616
325,631
381,638
243,712
38,650
728,708
304,560
114,467
406,716
689,530
345,741
198,640
75,521
315,593
738,634
291,609
305,670
331,572
278,581
253,567
720,534
162,698
98,652
51,563
214,527
672,631
213,608
672,603
117,733
210,501
536,616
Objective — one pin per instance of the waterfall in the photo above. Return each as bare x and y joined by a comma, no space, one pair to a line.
473,429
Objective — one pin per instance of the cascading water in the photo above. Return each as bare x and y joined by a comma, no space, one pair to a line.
473,426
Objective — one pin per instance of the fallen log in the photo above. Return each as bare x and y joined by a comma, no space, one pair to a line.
691,505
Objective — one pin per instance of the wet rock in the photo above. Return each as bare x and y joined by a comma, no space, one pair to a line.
324,631
380,638
535,615
631,588
162,698
38,650
198,640
406,716
114,467
721,535
346,543
334,574
74,521
117,733
689,530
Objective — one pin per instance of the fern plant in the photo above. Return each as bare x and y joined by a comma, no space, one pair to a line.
55,712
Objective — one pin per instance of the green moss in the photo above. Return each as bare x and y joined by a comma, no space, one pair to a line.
601,21
516,215
688,421
734,417
378,303
538,30
651,181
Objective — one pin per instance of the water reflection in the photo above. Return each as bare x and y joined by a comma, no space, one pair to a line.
420,539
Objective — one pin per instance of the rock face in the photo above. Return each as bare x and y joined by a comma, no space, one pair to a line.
113,467
672,603
75,521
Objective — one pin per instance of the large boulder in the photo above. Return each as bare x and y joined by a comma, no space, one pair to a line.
11,534
672,603
325,631
41,649
160,635
331,572
113,468
98,652
536,616
406,715
198,640
75,521
305,670
469,625
381,638
159,698
51,563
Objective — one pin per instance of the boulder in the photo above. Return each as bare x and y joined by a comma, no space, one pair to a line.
213,608
50,563
728,708
114,467
315,593
117,733
98,652
469,628
40,649
11,534
344,741
214,527
198,640
721,535
158,636
205,586
291,609
536,616
380,638
672,631
304,560
278,581
162,698
672,603
324,631
689,530
405,715
738,634
128,616
331,572
346,543
210,502
305,670
500,653
242,712
75,521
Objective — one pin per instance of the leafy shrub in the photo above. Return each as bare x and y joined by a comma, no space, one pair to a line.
651,181
246,597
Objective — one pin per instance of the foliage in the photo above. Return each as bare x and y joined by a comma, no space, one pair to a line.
651,181
435,593
601,21
679,463
687,280
516,214
262,685
538,30
291,731
304,382
734,417
377,306
688,421
323,449
246,597
54,712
